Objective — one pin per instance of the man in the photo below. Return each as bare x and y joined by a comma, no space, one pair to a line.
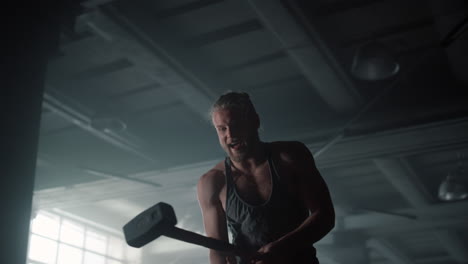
270,195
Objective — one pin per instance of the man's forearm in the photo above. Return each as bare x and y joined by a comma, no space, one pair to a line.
314,228
217,257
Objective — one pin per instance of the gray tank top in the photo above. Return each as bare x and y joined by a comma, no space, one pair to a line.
253,226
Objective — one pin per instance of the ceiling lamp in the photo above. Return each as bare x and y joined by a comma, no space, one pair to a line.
374,62
452,187
451,190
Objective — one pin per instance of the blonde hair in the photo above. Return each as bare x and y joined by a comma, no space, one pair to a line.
239,101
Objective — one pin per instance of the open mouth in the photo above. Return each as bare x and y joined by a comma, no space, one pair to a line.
236,145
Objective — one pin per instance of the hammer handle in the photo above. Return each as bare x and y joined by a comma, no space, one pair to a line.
194,238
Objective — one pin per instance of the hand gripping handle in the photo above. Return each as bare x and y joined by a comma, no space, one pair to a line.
195,238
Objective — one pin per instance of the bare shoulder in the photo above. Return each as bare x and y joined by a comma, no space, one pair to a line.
212,182
292,151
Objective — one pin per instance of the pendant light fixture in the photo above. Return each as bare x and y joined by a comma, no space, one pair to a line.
374,61
452,188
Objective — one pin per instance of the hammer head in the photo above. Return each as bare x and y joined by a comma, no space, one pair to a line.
149,225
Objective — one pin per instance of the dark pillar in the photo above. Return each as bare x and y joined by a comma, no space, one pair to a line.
30,33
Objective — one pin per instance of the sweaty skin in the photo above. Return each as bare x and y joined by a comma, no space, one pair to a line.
238,137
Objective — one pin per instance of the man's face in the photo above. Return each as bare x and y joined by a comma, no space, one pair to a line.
237,133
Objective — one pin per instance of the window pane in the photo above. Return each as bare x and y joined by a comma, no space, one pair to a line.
116,247
111,261
133,255
72,233
42,249
95,242
46,225
69,255
91,258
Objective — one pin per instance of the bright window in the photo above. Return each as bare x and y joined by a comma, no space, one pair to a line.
42,249
46,225
69,255
92,258
113,262
55,239
72,233
96,242
116,247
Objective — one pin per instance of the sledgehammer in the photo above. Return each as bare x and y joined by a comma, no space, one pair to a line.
160,220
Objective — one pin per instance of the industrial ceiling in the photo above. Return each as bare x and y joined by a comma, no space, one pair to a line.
125,113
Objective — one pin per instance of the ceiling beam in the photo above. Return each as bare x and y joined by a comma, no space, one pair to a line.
433,260
389,251
404,180
184,8
437,216
86,194
128,39
401,142
56,105
310,54
428,138
453,244
134,28
400,174
125,178
173,180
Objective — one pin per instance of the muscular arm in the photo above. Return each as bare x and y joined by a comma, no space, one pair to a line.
214,220
315,196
